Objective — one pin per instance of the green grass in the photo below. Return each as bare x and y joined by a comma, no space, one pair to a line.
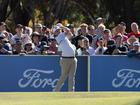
66,98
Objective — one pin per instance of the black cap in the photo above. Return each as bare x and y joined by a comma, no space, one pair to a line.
44,44
111,42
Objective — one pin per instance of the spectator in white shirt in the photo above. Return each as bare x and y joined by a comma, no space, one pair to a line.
19,35
101,47
85,49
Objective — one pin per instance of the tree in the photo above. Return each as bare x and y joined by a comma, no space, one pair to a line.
52,11
3,9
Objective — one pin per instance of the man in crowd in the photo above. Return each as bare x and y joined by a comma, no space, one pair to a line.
85,48
135,52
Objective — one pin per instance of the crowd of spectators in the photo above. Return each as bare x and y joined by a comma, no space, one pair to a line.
88,39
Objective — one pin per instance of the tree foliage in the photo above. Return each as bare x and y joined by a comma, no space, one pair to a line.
52,11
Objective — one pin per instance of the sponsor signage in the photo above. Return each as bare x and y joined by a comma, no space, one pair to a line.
37,73
114,73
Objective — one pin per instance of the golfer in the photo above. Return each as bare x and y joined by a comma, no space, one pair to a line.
68,61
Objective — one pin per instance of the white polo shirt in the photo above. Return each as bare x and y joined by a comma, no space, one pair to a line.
67,48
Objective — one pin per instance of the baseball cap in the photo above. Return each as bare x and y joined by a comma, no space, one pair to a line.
38,25
44,44
19,26
136,43
111,42
132,38
59,25
55,29
99,18
83,25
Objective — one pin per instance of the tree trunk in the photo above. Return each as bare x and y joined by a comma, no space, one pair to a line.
3,9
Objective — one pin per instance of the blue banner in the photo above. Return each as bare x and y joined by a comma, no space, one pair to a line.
114,73
37,73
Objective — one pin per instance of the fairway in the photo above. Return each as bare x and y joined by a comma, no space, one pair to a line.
66,98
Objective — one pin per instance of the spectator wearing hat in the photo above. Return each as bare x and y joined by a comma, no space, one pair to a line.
36,41
101,47
135,52
44,48
3,30
29,48
111,46
8,36
28,31
120,49
38,28
18,48
5,47
136,47
99,21
135,30
95,37
100,26
130,42
2,36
